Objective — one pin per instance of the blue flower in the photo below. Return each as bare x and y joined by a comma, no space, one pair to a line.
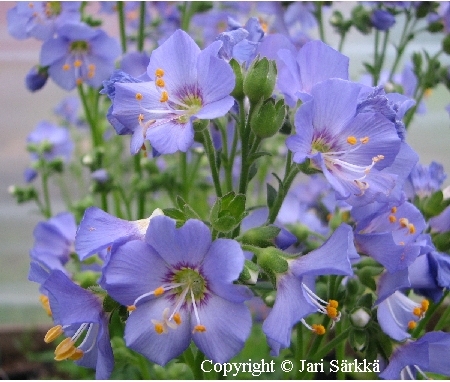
441,222
79,54
186,84
389,236
49,142
350,148
314,63
382,19
178,286
99,230
295,300
54,241
41,19
425,180
397,314
75,312
429,353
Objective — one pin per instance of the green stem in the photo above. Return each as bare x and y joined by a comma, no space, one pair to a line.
184,176
186,15
402,45
88,114
141,31
375,59
443,320
210,152
431,310
289,176
331,345
47,211
123,35
319,17
140,195
340,350
244,129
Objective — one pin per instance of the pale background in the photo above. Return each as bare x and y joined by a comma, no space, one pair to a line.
21,110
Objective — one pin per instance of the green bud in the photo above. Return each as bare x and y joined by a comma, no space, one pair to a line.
358,339
360,317
56,165
260,236
228,212
446,44
200,125
249,274
23,194
435,27
361,19
260,79
272,260
268,118
238,91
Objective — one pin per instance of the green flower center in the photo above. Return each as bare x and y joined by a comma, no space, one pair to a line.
192,280
79,46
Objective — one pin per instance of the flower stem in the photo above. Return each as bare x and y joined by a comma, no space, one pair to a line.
210,152
141,31
47,211
123,36
331,345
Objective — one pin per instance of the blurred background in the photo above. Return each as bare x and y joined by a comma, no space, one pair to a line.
21,110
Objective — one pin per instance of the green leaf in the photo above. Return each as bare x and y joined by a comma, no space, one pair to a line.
271,195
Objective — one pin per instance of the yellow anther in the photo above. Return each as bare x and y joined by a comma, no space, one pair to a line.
403,222
412,228
331,312
77,63
392,218
412,325
329,216
333,303
131,308
159,328
177,318
345,216
164,96
401,243
79,81
158,291
31,5
139,96
417,311
53,334
65,349
66,67
318,329
77,355
394,210
140,117
425,304
45,304
428,92
352,140
91,67
364,140
159,72
199,329
160,82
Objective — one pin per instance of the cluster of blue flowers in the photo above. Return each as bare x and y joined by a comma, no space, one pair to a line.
360,247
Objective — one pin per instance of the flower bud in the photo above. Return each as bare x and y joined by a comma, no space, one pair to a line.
238,91
260,79
249,274
268,118
36,78
360,318
272,260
